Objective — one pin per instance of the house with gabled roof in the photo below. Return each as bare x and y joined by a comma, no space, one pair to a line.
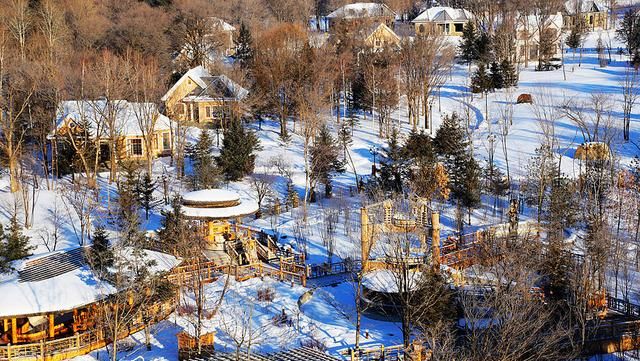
381,37
445,20
199,97
593,14
358,13
129,120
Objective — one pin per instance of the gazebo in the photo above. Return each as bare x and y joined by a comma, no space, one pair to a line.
220,212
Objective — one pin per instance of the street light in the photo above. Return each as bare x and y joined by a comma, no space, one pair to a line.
431,116
374,151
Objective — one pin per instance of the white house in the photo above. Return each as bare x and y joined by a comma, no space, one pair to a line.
446,20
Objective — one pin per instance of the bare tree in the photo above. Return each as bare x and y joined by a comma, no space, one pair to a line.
144,80
630,85
80,201
20,21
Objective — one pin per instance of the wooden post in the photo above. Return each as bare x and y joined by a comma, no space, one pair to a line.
14,331
6,325
364,237
210,234
435,239
52,326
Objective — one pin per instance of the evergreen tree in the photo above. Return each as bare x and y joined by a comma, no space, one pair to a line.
205,173
175,227
469,43
451,145
244,47
574,39
469,192
392,165
324,160
484,47
146,188
237,156
509,74
480,81
419,147
101,254
629,31
13,245
128,220
345,138
497,77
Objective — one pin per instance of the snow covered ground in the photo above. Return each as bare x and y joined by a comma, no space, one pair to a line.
328,317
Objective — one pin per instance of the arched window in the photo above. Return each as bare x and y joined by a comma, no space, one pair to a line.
421,28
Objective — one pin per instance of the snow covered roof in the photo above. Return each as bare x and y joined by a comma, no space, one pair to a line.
386,281
210,87
210,197
219,24
95,112
443,14
583,6
57,291
530,23
61,281
361,10
215,204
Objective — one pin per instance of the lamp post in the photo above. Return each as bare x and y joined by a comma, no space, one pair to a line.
431,116
374,151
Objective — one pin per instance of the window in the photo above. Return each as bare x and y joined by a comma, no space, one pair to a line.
421,28
378,43
166,141
208,111
458,28
136,147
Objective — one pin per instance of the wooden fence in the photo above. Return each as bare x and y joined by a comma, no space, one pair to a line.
73,346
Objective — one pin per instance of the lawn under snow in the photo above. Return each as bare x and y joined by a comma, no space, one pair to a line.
329,315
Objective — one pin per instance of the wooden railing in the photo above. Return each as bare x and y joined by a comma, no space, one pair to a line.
623,306
390,353
336,268
73,346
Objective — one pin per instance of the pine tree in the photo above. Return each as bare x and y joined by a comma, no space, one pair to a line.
509,73
15,244
205,172
480,81
101,254
128,220
392,165
244,47
574,39
237,156
629,31
484,47
345,138
175,228
469,43
451,145
497,77
324,160
146,188
419,147
4,262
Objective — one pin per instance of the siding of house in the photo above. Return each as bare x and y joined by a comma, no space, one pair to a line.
446,28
